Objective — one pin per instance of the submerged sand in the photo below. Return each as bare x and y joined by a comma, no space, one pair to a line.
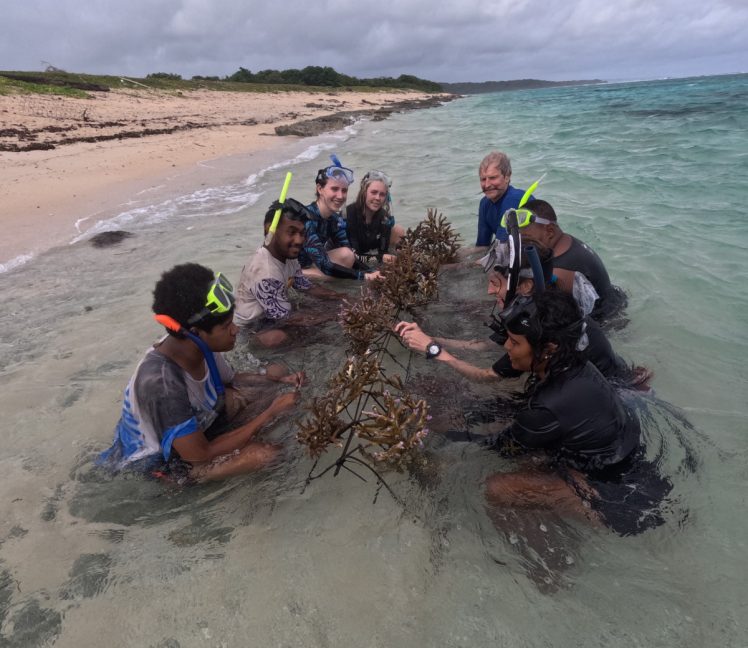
92,153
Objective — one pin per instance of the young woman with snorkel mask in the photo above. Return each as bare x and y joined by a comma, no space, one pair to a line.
327,250
371,226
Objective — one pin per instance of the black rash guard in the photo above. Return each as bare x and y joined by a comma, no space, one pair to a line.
372,239
577,416
599,352
582,258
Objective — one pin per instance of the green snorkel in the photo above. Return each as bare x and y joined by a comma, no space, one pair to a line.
530,189
277,215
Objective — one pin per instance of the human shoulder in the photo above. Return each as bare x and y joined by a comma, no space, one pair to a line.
264,265
157,375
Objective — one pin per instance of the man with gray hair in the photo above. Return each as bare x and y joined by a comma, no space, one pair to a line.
495,173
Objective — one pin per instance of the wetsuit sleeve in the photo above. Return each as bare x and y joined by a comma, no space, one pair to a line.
485,233
536,427
272,296
300,282
315,250
341,234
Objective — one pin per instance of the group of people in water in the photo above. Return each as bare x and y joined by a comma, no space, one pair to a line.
553,298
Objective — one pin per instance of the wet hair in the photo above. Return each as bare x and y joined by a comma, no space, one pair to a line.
543,209
360,203
499,160
320,181
554,317
181,292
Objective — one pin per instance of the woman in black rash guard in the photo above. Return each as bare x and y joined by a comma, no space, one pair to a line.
371,227
597,466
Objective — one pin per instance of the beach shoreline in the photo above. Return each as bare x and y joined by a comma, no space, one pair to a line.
91,156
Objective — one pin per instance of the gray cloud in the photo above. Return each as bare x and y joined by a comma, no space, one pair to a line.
472,40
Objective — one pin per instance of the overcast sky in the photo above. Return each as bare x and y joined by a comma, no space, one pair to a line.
465,40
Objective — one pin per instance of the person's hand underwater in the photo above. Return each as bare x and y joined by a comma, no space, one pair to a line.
285,401
297,379
412,336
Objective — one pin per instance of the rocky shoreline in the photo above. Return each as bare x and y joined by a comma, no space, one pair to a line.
336,121
71,121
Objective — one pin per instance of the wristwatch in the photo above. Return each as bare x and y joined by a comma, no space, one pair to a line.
432,350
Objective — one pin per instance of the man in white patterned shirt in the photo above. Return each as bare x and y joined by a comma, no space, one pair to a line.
263,304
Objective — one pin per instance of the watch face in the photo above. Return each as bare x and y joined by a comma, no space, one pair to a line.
433,350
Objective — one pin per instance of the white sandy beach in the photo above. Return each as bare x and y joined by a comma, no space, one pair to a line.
45,192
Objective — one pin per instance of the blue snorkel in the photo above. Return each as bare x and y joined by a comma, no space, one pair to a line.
172,324
537,268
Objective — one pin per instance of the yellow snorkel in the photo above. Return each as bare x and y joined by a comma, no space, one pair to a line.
530,189
277,215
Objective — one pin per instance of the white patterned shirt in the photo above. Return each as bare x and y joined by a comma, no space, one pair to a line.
263,288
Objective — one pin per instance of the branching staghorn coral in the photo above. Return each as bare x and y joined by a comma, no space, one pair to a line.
388,432
412,279
434,238
364,403
367,321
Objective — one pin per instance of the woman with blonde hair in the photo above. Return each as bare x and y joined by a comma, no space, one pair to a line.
372,231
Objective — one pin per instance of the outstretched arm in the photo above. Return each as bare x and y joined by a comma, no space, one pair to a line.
470,371
417,340
415,332
465,345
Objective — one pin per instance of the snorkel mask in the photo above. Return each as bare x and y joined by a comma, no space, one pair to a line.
374,175
292,209
220,300
504,258
336,172
521,318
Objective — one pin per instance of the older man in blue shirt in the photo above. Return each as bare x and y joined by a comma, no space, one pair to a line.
495,174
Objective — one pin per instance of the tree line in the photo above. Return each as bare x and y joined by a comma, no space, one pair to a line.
313,75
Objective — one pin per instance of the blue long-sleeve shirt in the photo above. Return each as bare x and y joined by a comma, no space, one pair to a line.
324,234
490,213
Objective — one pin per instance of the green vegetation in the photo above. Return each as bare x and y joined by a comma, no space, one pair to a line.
310,79
165,75
14,86
327,76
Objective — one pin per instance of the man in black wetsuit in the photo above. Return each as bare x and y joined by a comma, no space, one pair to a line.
571,255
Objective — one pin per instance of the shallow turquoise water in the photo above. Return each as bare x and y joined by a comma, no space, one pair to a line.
652,175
